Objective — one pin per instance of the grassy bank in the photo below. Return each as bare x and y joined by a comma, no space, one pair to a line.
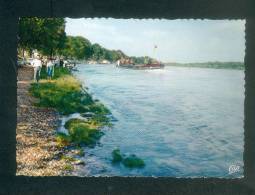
66,94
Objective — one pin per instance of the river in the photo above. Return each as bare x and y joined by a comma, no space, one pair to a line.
183,122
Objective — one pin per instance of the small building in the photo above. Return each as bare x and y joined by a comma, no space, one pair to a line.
105,62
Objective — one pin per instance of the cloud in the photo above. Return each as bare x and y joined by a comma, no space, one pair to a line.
177,40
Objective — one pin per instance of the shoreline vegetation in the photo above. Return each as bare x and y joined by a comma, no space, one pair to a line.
54,152
37,153
215,65
50,152
41,148
66,95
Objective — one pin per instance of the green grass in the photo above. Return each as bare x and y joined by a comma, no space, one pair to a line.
68,167
66,95
58,72
83,132
63,140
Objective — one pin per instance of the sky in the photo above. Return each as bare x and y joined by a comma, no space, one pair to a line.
181,41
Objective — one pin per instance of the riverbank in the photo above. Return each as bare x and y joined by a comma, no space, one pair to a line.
214,65
41,150
36,148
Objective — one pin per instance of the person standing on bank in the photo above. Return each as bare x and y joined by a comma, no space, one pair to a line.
37,65
61,62
50,68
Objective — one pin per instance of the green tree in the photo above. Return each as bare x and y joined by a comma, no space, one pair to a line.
77,47
44,34
96,51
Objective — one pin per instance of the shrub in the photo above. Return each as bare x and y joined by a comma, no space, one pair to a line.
81,132
99,108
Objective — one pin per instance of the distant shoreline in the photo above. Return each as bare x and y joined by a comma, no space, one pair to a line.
215,65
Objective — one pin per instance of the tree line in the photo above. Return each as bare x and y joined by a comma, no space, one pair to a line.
47,35
224,65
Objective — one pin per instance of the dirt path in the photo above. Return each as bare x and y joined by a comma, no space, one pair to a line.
36,150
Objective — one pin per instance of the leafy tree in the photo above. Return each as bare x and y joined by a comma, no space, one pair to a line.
44,34
96,51
77,48
48,36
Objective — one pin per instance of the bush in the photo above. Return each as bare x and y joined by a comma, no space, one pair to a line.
99,108
81,132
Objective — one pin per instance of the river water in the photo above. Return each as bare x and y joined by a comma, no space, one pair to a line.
183,122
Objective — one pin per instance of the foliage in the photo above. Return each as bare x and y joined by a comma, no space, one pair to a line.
63,140
68,167
65,94
77,48
47,35
58,72
81,132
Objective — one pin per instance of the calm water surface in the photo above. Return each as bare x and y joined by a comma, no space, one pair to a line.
184,122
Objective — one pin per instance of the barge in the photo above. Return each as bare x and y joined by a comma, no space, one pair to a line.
142,66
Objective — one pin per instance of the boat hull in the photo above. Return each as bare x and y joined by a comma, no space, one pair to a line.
142,66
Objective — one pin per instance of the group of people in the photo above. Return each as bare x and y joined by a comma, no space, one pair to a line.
37,65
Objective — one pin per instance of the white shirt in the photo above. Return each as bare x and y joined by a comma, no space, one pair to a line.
37,63
50,64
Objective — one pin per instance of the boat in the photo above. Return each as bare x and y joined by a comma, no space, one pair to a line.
142,66
148,63
152,66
